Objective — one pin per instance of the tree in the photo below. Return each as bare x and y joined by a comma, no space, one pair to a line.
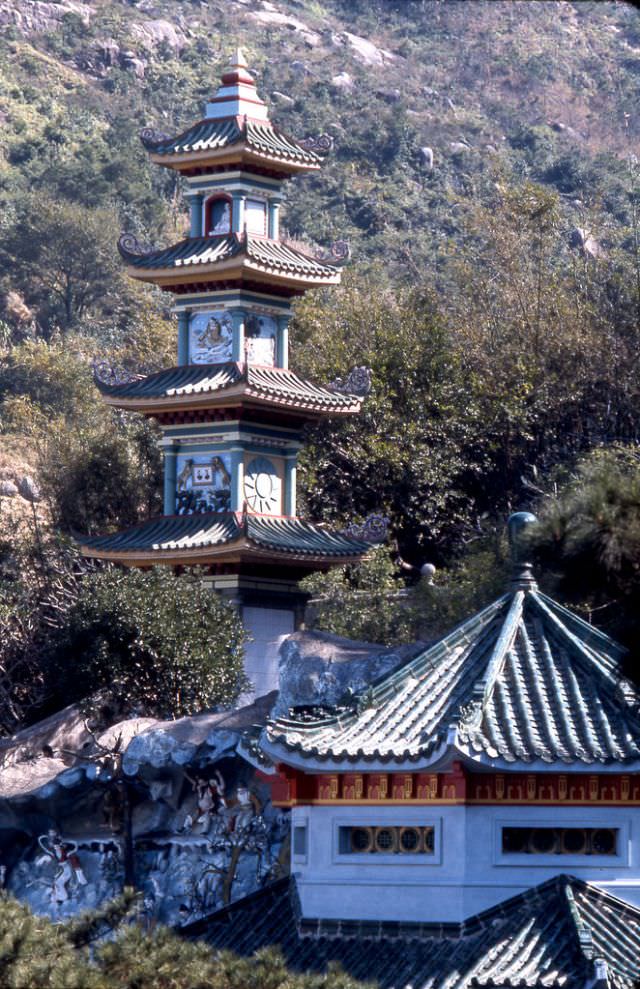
151,641
62,257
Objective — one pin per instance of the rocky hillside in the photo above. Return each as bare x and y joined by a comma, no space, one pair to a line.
426,101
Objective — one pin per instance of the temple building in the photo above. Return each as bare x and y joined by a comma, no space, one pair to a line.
231,412
470,819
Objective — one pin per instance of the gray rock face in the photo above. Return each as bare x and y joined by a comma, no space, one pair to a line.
156,32
584,240
318,668
279,97
8,489
28,488
35,16
427,157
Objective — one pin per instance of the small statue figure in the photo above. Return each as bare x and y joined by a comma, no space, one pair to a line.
247,806
210,799
68,867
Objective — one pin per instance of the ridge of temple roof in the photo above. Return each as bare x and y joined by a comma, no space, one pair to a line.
522,682
277,386
548,936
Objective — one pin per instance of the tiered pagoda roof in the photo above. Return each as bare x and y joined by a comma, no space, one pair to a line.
220,537
213,142
563,933
198,262
523,684
193,386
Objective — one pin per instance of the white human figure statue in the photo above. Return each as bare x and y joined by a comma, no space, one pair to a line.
245,808
64,855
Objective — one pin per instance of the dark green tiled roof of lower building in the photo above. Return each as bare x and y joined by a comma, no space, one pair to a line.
548,936
524,681
175,533
265,254
210,135
278,385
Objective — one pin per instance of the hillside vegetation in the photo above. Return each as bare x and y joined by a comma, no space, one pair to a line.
485,173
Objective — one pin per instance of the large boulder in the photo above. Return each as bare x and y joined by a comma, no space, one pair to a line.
317,668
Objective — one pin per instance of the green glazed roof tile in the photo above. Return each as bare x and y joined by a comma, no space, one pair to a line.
524,681
547,936
263,138
278,385
199,531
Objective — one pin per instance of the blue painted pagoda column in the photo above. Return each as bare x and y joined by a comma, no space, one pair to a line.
195,207
238,318
183,336
274,219
290,470
237,217
170,472
282,346
237,480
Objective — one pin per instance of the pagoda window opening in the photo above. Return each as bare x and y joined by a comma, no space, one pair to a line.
217,215
559,841
387,840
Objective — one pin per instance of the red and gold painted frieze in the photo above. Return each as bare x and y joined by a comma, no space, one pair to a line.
457,786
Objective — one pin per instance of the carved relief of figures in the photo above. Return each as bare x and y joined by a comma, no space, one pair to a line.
246,807
211,801
67,864
203,484
211,336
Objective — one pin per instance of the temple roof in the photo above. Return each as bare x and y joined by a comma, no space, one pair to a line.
217,536
234,255
549,936
195,384
207,138
524,683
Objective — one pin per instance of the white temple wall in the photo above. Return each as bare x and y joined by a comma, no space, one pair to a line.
467,872
267,627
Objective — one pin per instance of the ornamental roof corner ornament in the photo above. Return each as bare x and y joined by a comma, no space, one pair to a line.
129,246
152,138
320,144
374,529
357,382
337,253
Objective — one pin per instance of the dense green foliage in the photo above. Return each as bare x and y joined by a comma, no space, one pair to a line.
35,952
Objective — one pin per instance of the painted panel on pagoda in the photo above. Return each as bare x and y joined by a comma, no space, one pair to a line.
210,337
263,484
203,483
260,339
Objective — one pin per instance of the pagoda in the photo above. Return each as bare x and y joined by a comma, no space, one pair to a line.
231,412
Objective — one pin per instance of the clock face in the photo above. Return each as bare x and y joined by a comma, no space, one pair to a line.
262,487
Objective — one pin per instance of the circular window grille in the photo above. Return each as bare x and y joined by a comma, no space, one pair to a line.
361,839
603,842
515,839
428,839
385,840
543,840
409,840
574,841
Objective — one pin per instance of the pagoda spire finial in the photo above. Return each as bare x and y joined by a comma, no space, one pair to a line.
522,576
240,60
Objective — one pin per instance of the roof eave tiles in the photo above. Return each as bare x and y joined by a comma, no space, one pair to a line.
521,685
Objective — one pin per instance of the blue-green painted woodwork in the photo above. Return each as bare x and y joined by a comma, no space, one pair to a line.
274,218
237,480
238,318
170,463
282,345
290,471
237,213
195,208
183,337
